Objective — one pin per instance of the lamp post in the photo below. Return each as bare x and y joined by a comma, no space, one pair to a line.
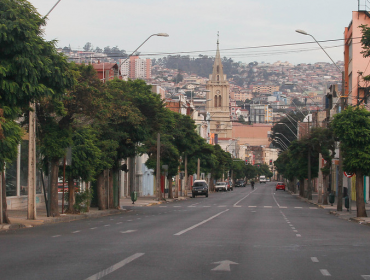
156,34
283,135
289,129
340,171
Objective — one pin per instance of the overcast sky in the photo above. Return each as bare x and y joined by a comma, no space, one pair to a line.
193,26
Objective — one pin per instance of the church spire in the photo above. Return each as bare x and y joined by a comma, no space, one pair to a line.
217,73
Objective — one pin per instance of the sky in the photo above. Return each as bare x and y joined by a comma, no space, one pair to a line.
193,25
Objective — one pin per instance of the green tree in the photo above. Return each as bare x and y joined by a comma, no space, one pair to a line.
30,67
352,127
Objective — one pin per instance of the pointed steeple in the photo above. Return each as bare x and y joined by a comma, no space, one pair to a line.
218,72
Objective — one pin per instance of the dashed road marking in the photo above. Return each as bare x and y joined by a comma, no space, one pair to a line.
267,206
93,228
325,272
314,259
295,230
118,223
56,236
298,235
314,208
252,206
114,267
298,207
129,220
283,207
77,231
201,223
366,277
107,225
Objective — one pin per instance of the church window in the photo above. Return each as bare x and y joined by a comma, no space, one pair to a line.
220,101
218,78
215,100
218,69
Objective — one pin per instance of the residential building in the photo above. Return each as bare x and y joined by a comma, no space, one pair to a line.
136,68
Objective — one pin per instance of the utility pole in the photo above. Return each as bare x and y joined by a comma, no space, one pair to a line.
309,187
186,175
198,170
340,175
158,172
31,205
1,197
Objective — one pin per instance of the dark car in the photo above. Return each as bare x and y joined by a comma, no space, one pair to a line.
200,187
240,183
280,186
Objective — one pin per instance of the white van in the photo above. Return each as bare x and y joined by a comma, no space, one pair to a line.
262,179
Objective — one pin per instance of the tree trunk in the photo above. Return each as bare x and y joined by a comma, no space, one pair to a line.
301,188
170,192
325,190
360,203
3,189
100,185
110,185
88,189
54,168
71,196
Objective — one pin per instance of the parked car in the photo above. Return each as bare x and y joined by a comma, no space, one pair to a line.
280,186
240,183
200,187
221,186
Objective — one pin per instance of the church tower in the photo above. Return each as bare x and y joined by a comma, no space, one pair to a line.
218,94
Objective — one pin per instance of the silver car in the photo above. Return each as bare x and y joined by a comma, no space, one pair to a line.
221,186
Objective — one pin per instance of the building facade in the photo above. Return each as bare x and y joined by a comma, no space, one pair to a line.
136,68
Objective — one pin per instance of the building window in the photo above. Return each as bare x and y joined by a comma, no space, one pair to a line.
220,101
215,100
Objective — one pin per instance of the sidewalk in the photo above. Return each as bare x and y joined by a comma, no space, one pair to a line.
18,218
332,209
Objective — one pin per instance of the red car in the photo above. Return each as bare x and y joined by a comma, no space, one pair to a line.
280,186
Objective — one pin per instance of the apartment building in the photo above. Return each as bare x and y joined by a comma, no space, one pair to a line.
136,68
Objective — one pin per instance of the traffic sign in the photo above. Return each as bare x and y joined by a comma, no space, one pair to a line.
348,174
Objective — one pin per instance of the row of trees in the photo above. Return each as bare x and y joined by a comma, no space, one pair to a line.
103,123
350,128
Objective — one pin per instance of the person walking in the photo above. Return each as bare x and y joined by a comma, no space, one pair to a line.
252,184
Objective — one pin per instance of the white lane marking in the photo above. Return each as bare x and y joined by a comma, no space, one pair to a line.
118,223
114,267
77,231
314,259
93,228
223,265
288,222
314,208
325,272
295,230
107,225
236,205
366,277
298,235
243,198
276,201
283,207
128,231
298,207
193,205
56,236
251,206
131,220
293,227
267,206
201,223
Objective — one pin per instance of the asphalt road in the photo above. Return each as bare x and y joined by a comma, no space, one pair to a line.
241,234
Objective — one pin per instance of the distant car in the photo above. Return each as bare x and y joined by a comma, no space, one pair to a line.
280,186
262,179
240,183
221,186
268,180
200,187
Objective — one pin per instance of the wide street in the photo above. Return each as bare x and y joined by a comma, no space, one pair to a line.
241,234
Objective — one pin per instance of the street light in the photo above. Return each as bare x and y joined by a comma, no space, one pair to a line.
283,135
305,33
281,145
289,129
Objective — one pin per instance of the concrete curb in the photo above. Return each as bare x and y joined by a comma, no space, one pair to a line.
24,223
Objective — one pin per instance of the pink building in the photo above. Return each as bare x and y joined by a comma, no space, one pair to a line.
137,68
355,65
